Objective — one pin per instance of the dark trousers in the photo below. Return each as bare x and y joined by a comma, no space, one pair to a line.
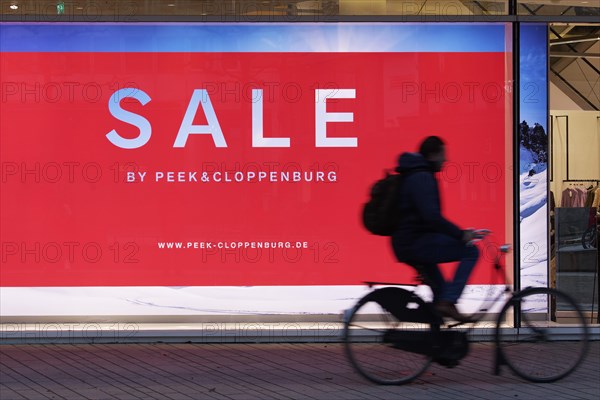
431,249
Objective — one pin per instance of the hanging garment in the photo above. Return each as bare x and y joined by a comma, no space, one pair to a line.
596,202
567,198
580,196
589,197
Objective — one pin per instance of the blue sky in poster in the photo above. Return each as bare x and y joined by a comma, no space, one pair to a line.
534,74
253,37
533,70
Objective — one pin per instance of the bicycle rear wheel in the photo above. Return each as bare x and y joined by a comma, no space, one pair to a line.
386,336
552,340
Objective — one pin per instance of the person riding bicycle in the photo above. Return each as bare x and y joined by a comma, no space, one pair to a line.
424,237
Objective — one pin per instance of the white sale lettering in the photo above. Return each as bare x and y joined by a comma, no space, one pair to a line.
114,106
201,98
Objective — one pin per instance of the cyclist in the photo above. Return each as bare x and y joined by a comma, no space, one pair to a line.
424,237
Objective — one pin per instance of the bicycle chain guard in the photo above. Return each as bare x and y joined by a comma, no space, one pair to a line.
404,305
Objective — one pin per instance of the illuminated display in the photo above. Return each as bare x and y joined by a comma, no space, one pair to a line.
237,154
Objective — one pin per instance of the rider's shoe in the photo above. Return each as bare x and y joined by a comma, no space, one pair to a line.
448,309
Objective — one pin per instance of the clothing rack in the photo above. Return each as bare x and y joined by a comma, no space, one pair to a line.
582,180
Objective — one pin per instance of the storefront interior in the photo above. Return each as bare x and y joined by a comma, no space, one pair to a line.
574,75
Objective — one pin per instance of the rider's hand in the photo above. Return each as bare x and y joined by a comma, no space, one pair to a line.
468,235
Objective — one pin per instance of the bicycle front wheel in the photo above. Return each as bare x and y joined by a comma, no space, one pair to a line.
386,336
552,339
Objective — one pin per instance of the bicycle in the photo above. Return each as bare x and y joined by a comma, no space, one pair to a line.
392,335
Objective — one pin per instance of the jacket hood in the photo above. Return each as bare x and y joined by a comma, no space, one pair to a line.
412,161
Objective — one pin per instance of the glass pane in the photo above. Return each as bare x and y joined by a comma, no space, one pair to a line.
285,128
402,7
577,255
129,10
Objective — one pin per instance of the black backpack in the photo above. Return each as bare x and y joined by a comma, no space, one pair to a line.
380,214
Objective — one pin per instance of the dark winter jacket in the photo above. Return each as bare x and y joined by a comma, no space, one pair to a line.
419,203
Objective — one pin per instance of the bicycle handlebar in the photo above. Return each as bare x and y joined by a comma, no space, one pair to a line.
480,234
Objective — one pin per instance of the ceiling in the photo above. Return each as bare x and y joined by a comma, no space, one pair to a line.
575,62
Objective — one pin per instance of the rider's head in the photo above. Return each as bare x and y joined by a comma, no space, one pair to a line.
434,150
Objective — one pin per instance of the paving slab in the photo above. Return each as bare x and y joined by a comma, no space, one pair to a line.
239,371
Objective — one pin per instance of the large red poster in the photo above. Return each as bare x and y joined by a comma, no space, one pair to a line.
242,168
